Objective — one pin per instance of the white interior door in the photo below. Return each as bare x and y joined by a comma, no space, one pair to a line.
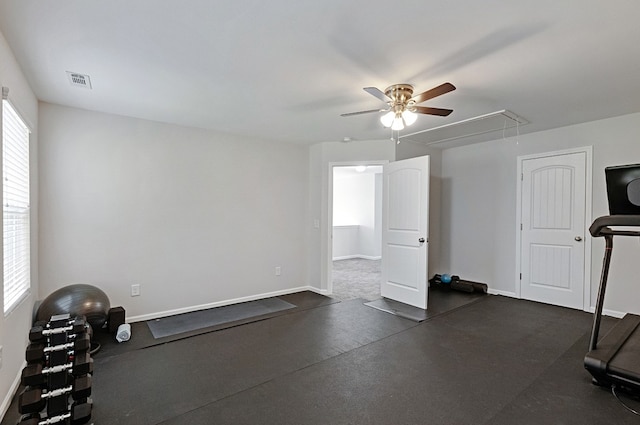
405,218
553,229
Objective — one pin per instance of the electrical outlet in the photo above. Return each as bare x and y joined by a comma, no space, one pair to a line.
135,290
278,271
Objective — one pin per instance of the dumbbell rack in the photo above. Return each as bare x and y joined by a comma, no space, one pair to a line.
57,378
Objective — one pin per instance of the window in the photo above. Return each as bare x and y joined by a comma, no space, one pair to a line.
15,206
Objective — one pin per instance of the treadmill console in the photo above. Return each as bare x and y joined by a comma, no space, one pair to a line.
623,189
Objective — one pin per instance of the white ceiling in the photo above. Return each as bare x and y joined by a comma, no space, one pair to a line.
285,70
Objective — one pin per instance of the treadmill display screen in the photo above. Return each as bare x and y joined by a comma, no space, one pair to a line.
623,189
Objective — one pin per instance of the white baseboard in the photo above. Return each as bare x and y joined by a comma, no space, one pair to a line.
12,390
318,291
363,257
156,315
370,257
606,312
503,293
592,309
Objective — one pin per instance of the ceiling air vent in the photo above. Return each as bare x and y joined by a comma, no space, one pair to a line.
79,80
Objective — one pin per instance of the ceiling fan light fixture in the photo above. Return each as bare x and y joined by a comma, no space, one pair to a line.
388,118
401,109
398,123
409,117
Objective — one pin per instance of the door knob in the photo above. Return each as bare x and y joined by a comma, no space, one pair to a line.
421,240
578,238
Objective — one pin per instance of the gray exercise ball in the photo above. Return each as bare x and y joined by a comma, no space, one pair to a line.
77,300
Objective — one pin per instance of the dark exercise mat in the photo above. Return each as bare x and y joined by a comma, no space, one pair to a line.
187,322
440,301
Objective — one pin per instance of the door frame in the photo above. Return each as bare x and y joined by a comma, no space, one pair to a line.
588,151
329,263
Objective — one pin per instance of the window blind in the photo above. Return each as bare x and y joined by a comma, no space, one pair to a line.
15,207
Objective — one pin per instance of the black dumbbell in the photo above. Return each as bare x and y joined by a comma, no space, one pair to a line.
81,411
35,374
74,326
33,400
36,351
30,418
80,414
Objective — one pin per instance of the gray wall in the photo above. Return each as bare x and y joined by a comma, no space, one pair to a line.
193,216
478,205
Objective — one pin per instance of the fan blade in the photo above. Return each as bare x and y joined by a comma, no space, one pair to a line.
362,112
434,92
376,92
432,111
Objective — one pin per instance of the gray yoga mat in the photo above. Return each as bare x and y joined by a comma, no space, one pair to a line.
187,322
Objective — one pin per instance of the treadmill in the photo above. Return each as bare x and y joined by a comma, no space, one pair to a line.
614,360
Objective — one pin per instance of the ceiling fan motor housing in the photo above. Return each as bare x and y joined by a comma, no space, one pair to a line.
400,94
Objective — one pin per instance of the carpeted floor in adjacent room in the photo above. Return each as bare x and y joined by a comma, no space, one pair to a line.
356,278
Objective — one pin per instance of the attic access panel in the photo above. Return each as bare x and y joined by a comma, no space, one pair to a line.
495,121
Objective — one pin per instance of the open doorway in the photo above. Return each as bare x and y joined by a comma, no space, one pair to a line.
356,248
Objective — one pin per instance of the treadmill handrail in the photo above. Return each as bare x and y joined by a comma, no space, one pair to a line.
601,225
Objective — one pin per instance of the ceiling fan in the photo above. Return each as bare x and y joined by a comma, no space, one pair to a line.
402,105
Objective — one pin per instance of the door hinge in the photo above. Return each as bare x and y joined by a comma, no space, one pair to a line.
521,176
521,227
520,276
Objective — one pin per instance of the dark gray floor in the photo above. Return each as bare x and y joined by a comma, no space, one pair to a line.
495,360
439,301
